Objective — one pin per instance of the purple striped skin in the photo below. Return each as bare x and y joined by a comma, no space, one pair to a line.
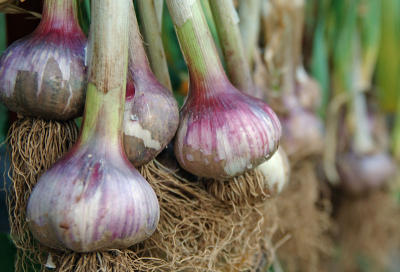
150,107
92,199
151,113
44,74
224,132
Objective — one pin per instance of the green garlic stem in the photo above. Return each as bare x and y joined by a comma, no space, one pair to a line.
159,7
108,63
396,133
152,36
196,42
226,20
249,14
363,142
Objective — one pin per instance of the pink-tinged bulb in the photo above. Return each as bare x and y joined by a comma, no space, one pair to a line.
151,119
44,74
302,131
92,199
223,132
360,173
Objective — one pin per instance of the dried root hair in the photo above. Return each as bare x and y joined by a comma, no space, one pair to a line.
196,232
303,241
34,145
368,230
247,189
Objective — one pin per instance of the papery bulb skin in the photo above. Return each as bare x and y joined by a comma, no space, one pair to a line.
223,132
92,199
360,173
44,74
302,130
276,171
151,119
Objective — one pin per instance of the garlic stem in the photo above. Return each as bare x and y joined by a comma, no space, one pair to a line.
226,20
196,42
139,66
297,14
108,62
288,69
59,15
362,141
152,35
249,14
396,133
370,31
159,7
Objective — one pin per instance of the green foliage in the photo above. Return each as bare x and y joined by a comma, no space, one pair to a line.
3,33
388,70
345,19
84,15
320,57
213,29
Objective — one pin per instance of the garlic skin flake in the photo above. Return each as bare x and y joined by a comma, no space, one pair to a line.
276,171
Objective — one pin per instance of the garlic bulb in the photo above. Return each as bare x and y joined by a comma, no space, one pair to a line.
151,113
222,132
361,173
276,171
93,198
302,130
44,74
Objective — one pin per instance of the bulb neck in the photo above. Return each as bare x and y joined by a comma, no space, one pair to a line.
363,142
151,29
139,67
197,45
108,64
396,133
59,16
226,20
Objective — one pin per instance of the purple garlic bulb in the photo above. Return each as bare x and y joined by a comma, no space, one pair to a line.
224,132
151,113
150,120
92,199
44,74
361,173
